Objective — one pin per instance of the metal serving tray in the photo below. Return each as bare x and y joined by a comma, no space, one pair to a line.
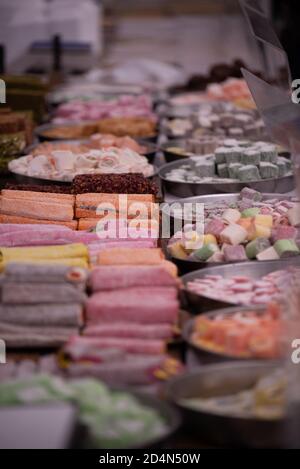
255,270
220,380
190,189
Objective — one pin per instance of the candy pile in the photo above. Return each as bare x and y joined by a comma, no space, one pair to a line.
232,90
242,289
96,142
62,165
130,317
244,161
31,218
246,230
223,120
132,126
244,334
121,106
41,305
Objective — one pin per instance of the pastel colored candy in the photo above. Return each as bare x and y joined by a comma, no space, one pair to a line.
250,212
286,248
264,220
257,246
235,253
248,193
284,232
204,253
269,254
231,215
214,227
294,215
234,234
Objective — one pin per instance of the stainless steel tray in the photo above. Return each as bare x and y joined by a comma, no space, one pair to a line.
186,266
189,189
222,379
255,270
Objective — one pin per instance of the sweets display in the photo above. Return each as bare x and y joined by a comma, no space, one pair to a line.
232,90
250,229
265,401
120,127
241,334
41,305
131,423
121,106
83,274
242,289
236,160
64,165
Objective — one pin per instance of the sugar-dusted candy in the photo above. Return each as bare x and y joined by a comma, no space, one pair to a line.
177,250
282,169
250,157
294,215
248,173
209,238
246,223
233,170
284,232
259,231
268,170
252,194
269,254
268,153
231,215
250,212
286,248
204,253
217,257
264,220
234,234
235,253
222,170
214,227
234,156
256,246
205,169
